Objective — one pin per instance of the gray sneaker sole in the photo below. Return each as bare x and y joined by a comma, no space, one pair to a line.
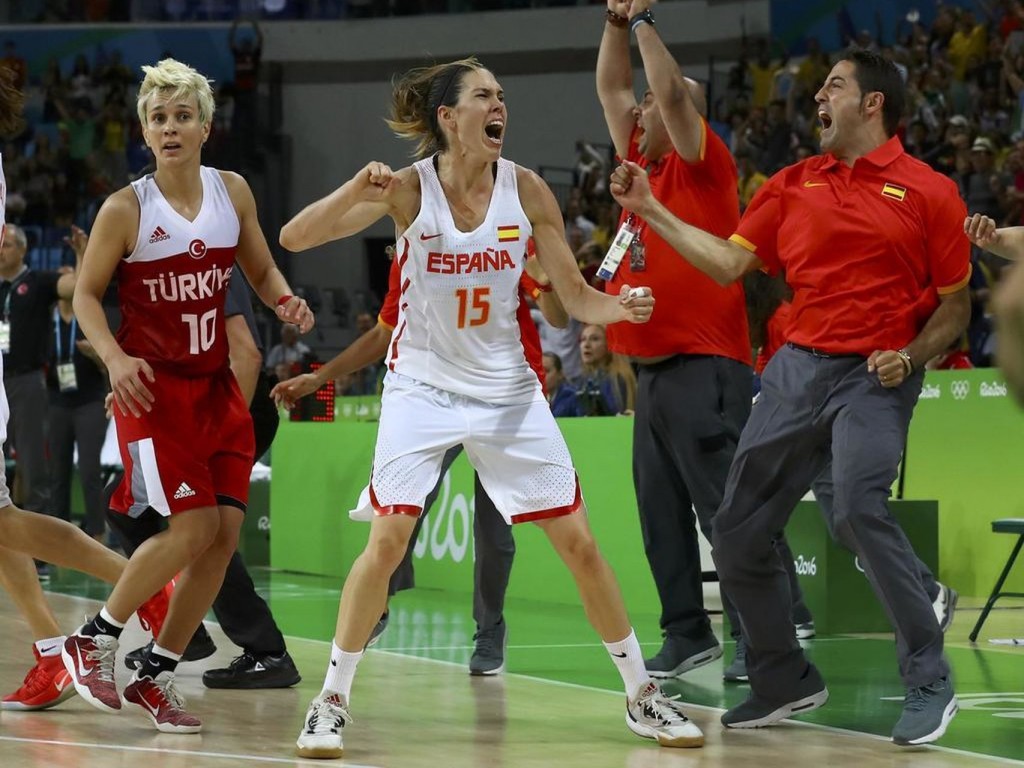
947,716
688,664
798,707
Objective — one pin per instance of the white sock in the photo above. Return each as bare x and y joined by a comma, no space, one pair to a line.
340,672
105,615
159,651
629,660
50,646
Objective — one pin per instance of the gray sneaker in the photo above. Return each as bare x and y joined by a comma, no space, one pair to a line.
489,652
737,671
805,630
945,606
679,655
378,630
927,712
757,712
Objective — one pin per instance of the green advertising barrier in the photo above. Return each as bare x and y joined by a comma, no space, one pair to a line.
963,451
835,588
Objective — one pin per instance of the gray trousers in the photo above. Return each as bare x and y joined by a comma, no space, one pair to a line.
690,410
493,545
86,425
29,401
813,408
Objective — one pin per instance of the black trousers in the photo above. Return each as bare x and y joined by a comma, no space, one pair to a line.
243,615
86,425
493,544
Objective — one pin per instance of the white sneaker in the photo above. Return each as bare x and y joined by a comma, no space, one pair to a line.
654,715
321,732
945,606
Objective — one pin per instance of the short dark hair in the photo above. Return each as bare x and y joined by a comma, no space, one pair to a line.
556,361
874,72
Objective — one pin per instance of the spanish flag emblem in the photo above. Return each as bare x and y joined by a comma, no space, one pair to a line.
508,234
894,191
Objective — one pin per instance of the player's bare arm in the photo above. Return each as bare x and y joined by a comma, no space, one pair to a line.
374,192
615,80
579,299
253,256
246,359
1007,242
367,349
113,236
548,303
1008,304
670,89
721,260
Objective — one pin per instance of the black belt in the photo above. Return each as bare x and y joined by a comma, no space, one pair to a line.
821,352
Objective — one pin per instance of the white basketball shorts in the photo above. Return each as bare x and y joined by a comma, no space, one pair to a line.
518,451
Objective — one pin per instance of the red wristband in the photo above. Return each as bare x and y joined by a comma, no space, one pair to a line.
284,299
544,288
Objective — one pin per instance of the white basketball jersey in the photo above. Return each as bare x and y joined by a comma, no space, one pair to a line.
457,328
5,411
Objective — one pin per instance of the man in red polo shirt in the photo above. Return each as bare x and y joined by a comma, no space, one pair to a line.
872,244
694,382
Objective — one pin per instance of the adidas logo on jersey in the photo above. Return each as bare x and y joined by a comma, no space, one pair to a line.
158,235
184,492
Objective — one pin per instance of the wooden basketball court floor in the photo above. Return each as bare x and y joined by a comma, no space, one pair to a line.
558,705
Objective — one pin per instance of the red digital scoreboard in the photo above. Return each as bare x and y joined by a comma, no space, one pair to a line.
318,406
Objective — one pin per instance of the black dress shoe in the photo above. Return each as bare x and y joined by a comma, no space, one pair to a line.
252,671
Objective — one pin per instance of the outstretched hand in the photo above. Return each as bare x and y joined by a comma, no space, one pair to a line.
630,187
288,392
981,230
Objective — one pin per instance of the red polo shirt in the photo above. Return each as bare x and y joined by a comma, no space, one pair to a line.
693,314
866,249
530,337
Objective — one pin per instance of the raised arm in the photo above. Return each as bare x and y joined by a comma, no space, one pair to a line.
722,260
113,236
78,241
670,89
580,300
254,258
374,192
615,78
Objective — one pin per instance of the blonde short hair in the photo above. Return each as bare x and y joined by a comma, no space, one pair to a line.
181,81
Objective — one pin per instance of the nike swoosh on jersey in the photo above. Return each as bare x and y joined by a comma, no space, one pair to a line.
430,237
815,183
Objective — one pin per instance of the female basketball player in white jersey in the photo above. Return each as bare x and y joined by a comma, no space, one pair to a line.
183,427
457,372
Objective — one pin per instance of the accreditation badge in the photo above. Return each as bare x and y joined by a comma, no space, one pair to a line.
5,336
637,256
66,377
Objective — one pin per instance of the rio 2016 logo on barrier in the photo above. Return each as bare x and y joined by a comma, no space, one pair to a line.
960,389
447,529
805,567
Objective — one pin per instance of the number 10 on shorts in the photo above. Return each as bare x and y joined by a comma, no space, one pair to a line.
201,331
480,305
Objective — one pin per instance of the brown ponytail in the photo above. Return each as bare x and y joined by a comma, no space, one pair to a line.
11,102
416,97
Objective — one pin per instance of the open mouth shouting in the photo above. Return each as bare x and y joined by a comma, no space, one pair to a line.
494,131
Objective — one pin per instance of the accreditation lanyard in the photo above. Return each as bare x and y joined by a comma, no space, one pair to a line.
66,378
5,323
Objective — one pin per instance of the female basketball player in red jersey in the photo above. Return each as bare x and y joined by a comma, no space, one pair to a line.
457,372
28,534
183,427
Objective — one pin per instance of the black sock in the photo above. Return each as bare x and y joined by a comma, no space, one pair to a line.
97,626
155,663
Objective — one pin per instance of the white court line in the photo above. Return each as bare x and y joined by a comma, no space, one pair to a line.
189,752
653,644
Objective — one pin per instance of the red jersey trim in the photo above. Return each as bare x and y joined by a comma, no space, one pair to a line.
394,347
410,510
945,290
547,514
381,321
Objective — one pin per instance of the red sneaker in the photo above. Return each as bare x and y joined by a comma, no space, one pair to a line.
159,699
46,685
153,612
90,662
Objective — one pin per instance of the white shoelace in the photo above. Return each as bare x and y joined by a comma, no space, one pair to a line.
657,706
326,717
170,692
104,654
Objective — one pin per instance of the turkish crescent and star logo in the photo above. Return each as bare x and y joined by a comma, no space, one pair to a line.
197,249
960,389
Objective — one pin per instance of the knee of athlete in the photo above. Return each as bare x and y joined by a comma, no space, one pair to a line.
387,550
584,552
197,531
